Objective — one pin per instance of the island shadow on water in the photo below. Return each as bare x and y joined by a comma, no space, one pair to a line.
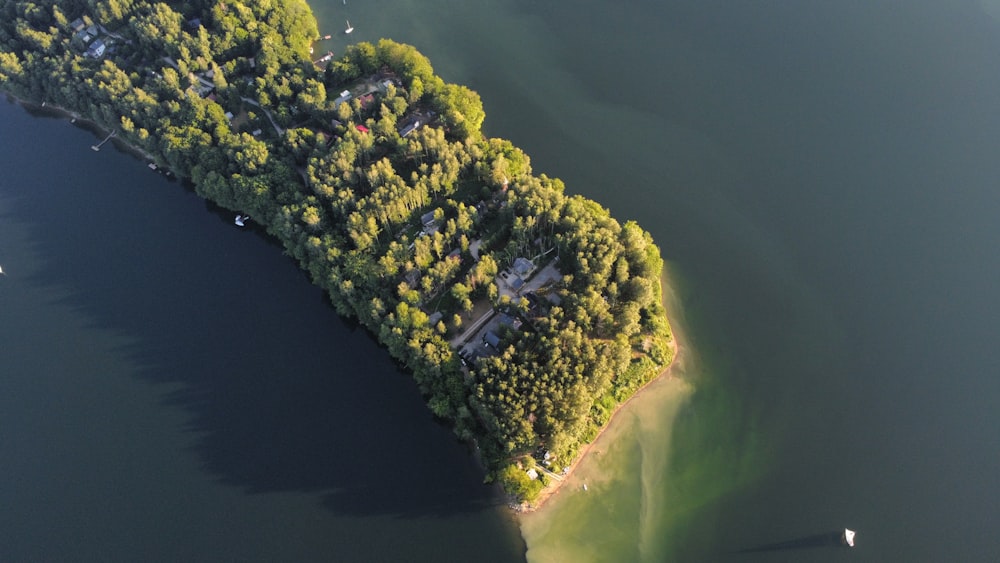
830,539
281,395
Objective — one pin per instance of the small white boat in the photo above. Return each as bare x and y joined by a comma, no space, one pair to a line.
849,537
349,27
2,272
584,486
241,220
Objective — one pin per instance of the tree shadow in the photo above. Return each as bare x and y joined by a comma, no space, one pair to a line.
281,395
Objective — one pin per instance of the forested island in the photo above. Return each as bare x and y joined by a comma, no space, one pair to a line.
525,315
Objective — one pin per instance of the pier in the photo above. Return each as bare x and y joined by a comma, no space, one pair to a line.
324,58
98,146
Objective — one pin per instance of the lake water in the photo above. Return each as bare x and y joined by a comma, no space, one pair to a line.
820,176
175,390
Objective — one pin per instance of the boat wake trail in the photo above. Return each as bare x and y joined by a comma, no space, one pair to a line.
807,542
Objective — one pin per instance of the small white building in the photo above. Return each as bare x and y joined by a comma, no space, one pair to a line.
343,97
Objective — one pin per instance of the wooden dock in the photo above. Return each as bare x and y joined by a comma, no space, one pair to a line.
98,146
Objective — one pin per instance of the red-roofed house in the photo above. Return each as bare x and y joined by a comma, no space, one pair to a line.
362,128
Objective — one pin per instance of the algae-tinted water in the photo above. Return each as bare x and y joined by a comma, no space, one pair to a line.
821,177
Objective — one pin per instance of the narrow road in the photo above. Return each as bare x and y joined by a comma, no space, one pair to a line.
253,102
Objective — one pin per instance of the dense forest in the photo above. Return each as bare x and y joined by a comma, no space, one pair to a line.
525,314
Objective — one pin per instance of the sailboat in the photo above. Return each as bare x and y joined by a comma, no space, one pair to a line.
349,28
849,537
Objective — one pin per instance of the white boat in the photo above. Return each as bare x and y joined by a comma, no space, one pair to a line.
849,537
349,28
585,486
2,272
241,220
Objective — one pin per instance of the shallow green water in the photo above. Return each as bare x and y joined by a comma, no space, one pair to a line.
821,178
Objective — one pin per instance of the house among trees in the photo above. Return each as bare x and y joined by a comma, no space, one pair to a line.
511,321
523,267
343,97
427,218
409,128
85,34
384,85
82,36
96,49
367,100
492,340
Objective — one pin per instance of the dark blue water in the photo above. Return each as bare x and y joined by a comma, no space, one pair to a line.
174,389
821,177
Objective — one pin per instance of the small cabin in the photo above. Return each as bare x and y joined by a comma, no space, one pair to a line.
491,339
97,49
523,266
511,321
409,128
343,97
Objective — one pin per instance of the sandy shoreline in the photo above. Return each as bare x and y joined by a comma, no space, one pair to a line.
554,485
